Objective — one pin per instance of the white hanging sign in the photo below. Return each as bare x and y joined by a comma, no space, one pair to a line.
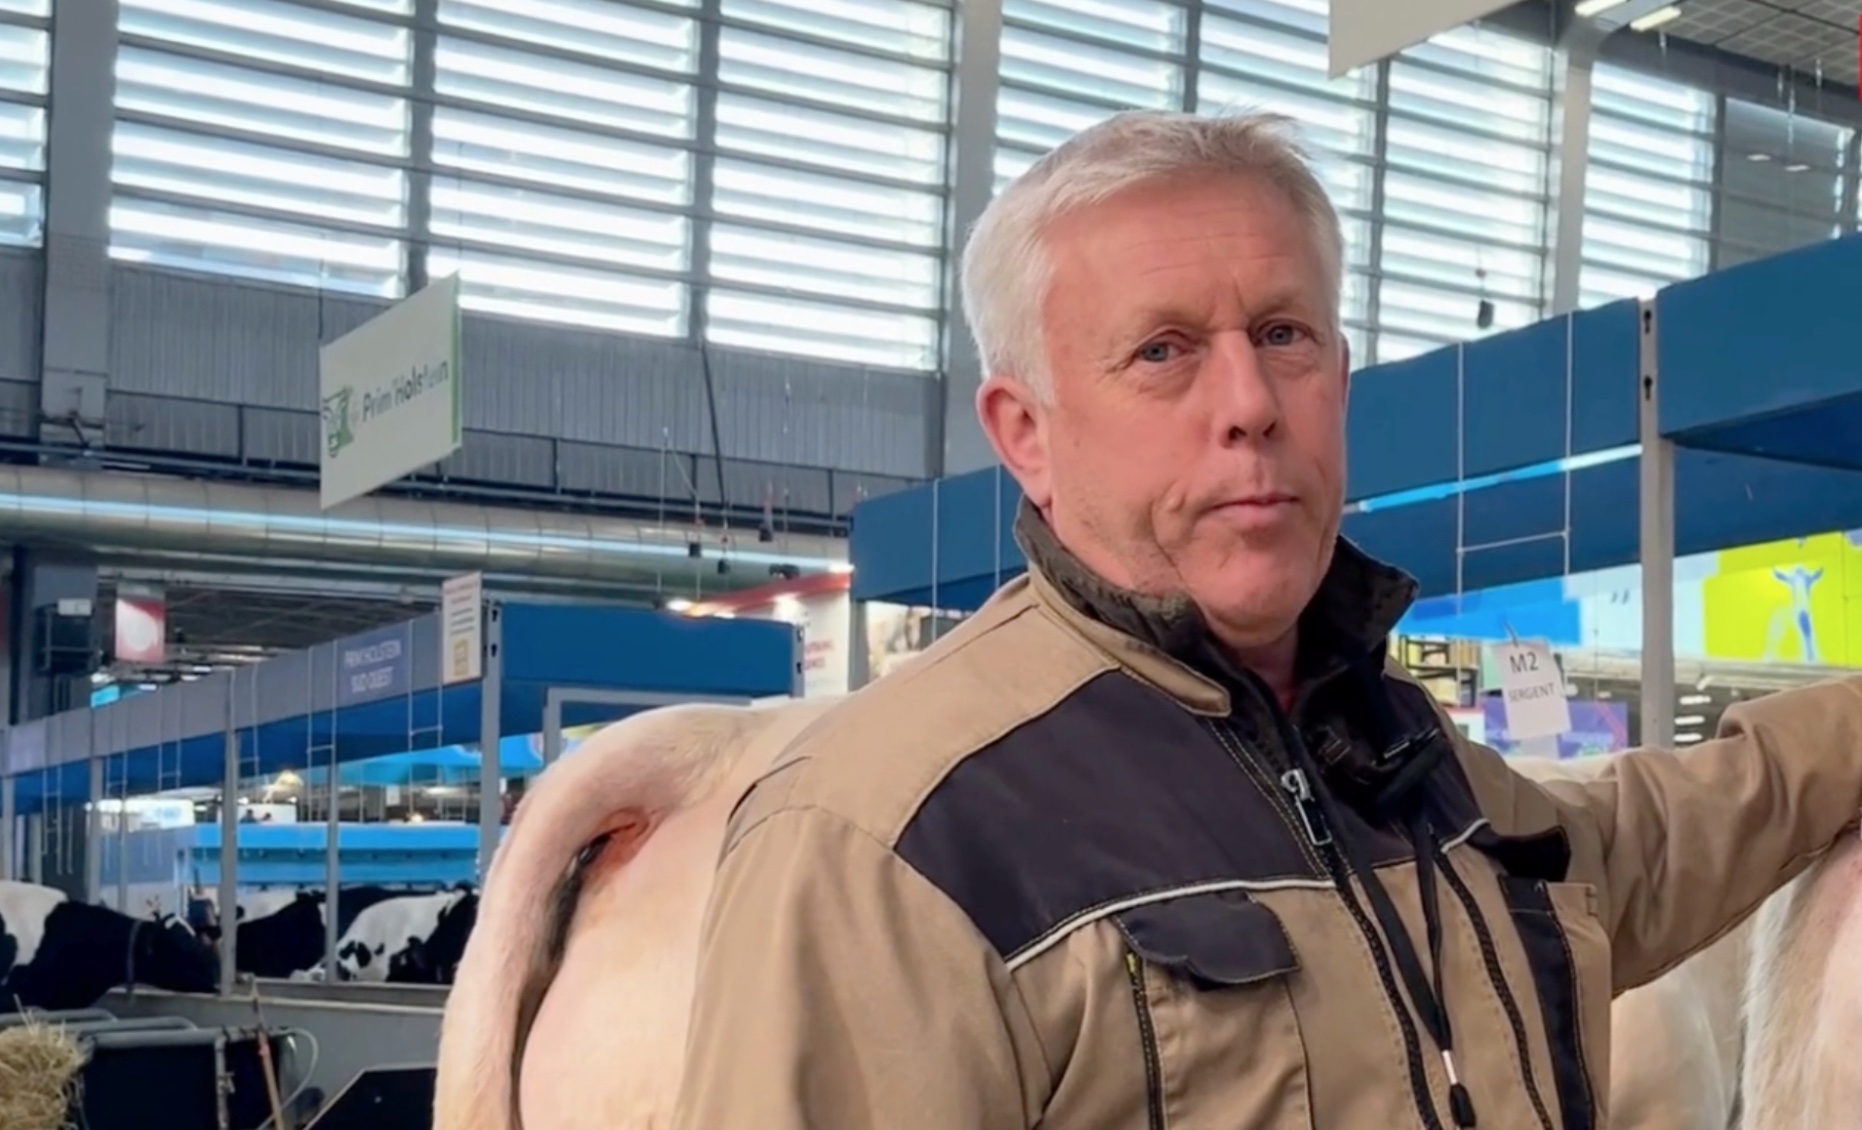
462,628
1532,690
390,394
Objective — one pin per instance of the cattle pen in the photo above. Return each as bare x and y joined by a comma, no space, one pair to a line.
535,669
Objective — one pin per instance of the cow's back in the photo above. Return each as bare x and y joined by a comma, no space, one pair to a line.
605,1046
1804,1001
1675,1043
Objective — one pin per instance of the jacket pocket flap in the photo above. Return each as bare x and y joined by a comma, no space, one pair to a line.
1216,940
1542,856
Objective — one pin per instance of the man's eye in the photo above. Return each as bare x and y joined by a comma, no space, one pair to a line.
1282,333
1156,353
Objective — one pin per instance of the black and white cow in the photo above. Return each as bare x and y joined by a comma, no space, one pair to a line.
410,940
281,932
59,953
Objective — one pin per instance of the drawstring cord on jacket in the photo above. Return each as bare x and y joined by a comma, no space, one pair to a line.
1419,753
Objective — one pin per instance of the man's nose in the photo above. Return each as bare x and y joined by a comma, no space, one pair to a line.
1245,404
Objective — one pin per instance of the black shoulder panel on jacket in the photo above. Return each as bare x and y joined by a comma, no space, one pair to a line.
1115,794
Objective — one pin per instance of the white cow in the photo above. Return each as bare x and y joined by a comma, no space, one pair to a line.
571,1003
1803,1068
1760,1030
1675,1043
381,944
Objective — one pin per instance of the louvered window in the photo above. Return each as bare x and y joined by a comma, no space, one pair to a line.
1781,182
25,54
1270,55
563,133
828,191
1648,189
1464,190
1067,64
264,139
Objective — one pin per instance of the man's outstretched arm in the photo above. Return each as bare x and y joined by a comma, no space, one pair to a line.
839,990
1692,842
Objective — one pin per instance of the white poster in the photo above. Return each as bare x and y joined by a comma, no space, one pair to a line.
462,628
827,624
825,620
390,394
896,633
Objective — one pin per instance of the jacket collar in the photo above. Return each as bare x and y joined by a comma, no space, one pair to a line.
1165,639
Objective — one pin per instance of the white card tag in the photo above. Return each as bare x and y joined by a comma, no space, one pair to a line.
1532,690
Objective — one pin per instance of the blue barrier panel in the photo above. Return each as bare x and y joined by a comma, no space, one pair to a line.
388,704
292,855
1508,533
1524,385
1534,610
1762,358
890,543
947,544
968,543
1558,388
1400,425
632,649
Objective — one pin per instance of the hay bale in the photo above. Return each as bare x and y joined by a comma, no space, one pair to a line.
39,1066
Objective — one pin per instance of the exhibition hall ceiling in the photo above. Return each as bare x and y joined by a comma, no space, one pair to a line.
1808,36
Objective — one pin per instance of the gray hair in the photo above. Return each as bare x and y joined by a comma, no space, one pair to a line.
1006,270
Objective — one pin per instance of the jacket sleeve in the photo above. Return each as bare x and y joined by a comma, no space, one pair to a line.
839,990
1691,842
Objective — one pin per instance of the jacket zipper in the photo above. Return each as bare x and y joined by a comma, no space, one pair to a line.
1147,1036
1298,787
1491,958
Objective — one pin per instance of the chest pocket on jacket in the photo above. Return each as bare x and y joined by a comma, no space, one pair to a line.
1569,950
1220,1038
1570,954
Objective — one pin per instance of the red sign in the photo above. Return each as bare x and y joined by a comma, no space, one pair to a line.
746,600
141,628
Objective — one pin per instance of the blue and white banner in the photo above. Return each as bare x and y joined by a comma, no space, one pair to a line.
374,666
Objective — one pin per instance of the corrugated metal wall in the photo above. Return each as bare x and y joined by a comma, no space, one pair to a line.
203,366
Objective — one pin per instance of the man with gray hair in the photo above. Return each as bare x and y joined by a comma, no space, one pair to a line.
1159,838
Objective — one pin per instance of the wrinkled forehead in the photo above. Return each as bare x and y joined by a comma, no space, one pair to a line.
1193,249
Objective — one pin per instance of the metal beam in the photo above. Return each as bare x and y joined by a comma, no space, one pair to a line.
1574,63
229,845
1657,520
490,735
959,444
75,342
419,251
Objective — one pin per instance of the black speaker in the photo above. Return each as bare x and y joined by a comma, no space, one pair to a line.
61,644
381,1098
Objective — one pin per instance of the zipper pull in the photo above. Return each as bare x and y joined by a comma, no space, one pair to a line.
1300,789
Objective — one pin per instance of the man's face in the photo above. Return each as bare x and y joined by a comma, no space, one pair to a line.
1194,440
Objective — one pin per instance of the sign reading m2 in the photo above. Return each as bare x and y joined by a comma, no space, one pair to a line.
390,394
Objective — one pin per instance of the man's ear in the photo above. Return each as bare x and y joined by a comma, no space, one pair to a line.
1015,422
